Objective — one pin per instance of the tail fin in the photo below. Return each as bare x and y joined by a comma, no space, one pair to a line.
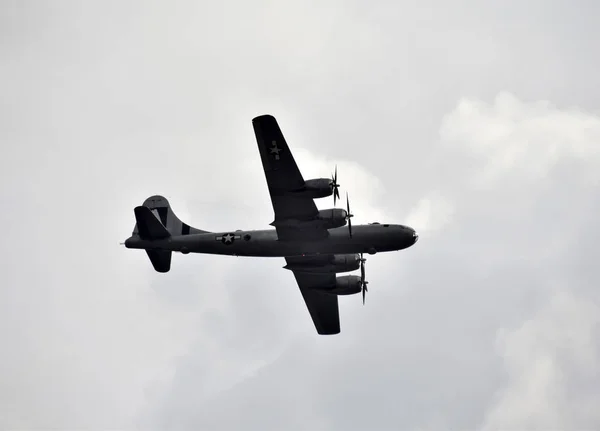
159,206
156,220
148,226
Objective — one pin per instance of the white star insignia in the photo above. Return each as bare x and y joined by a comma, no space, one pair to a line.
275,150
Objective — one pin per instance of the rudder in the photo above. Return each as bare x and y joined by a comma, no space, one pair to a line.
148,226
160,207
155,220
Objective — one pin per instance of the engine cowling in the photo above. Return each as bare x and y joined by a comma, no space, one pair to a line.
346,262
317,188
332,218
347,285
339,263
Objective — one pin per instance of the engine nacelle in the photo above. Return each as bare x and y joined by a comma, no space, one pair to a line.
316,188
332,218
339,263
347,285
325,219
346,262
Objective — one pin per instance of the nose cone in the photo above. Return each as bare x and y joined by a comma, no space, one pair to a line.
411,236
408,236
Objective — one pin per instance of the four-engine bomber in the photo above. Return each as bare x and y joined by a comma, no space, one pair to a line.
315,243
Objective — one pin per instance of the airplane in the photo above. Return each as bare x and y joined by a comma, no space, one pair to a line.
315,243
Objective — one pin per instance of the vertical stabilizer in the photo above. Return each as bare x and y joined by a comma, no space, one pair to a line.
155,220
159,206
148,225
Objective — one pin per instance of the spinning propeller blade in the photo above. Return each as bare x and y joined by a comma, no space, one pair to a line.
362,277
334,185
349,215
362,268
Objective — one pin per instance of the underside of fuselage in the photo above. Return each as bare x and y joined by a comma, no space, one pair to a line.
265,243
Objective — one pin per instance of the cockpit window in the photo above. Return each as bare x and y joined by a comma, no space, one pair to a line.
386,225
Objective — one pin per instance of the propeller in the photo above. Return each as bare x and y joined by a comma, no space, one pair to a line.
363,283
349,215
334,185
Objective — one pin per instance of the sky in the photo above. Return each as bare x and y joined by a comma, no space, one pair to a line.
476,123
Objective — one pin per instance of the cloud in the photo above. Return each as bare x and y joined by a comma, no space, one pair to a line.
449,304
551,357
522,141
552,366
431,213
493,309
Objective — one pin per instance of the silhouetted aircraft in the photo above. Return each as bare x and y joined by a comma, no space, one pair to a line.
315,243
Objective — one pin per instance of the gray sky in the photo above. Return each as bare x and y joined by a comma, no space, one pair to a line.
479,125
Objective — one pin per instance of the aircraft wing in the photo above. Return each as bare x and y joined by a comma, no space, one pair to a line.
283,178
322,306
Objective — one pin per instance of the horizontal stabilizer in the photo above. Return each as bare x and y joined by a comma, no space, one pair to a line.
161,259
149,227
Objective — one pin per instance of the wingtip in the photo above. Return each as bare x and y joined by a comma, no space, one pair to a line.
263,117
335,332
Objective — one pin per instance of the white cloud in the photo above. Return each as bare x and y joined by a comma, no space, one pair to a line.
431,213
523,149
553,372
518,141
493,274
504,195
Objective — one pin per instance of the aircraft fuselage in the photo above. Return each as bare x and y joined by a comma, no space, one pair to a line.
370,238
